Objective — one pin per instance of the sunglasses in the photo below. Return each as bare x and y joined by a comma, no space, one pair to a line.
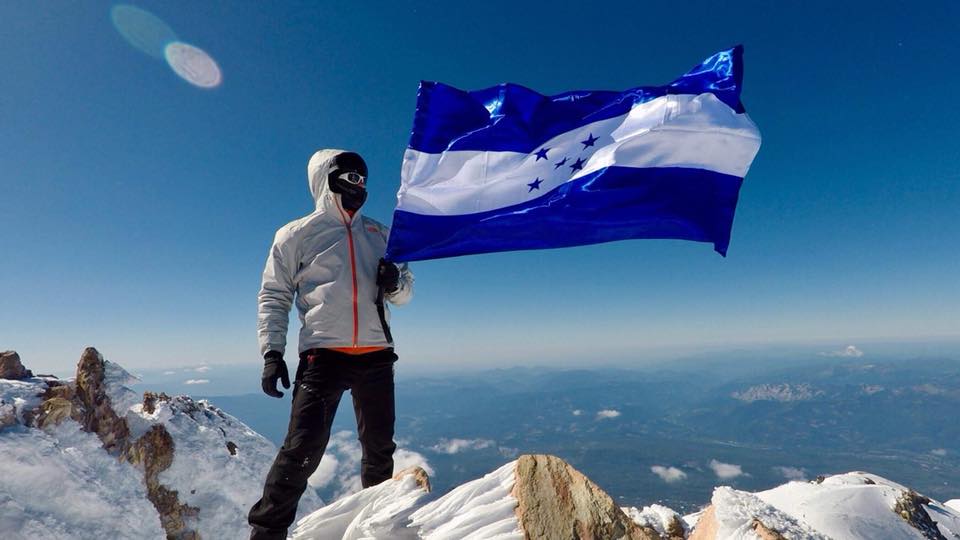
353,178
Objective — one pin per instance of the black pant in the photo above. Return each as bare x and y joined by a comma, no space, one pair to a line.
322,377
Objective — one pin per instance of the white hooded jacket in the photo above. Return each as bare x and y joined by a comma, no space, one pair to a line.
327,260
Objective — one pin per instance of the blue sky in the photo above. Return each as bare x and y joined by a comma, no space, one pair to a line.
136,210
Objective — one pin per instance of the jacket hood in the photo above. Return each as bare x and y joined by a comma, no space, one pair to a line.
318,168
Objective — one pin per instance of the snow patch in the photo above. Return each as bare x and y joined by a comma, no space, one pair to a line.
115,381
482,509
736,513
222,479
783,393
655,516
20,396
855,505
61,484
381,511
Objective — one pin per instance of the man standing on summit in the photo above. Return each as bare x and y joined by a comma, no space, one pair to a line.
331,262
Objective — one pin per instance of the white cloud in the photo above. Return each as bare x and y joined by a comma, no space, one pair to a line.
939,452
508,452
169,372
404,459
792,473
577,412
725,471
326,471
196,381
339,470
668,474
608,413
202,369
453,446
850,351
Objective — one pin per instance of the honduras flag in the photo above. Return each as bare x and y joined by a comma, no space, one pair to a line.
506,168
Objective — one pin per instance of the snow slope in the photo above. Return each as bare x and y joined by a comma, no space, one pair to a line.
399,509
856,505
219,464
61,484
480,509
381,511
736,512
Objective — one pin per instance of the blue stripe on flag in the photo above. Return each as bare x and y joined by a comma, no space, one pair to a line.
510,117
615,203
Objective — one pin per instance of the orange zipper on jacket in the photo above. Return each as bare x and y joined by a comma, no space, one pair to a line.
353,271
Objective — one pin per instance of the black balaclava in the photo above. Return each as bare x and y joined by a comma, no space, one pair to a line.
351,195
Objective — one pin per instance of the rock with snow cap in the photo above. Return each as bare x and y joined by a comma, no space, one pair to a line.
851,506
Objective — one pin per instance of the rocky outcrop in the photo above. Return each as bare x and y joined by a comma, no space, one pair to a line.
675,530
153,452
95,411
419,475
11,367
87,401
910,506
150,400
707,526
554,500
764,532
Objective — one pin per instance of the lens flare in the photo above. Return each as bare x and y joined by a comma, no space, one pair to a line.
193,65
142,30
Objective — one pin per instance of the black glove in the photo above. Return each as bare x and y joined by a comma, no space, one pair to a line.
274,368
388,276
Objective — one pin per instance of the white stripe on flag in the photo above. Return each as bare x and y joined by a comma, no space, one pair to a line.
671,131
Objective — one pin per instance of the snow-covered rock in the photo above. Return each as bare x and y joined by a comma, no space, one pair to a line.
381,511
536,496
61,484
182,466
851,506
666,521
480,509
738,515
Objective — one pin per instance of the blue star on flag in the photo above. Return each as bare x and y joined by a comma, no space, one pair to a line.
589,142
534,185
560,163
542,154
577,165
